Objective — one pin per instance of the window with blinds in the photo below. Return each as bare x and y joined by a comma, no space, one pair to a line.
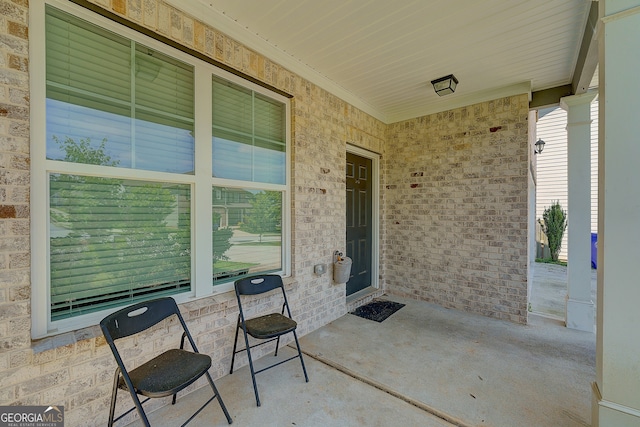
248,144
249,137
253,218
114,240
104,87
116,154
114,102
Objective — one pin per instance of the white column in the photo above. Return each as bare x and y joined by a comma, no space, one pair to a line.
532,246
580,310
617,387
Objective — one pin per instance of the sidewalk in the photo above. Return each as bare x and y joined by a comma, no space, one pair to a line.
549,289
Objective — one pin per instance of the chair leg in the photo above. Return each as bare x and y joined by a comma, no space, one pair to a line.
253,374
114,395
277,344
134,396
304,369
141,412
217,393
235,345
278,340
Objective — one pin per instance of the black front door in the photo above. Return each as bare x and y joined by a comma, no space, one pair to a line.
359,227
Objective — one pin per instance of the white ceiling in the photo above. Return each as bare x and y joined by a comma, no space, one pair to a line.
381,55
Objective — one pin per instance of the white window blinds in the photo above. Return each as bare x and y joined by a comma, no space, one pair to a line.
249,135
103,87
113,102
116,165
114,240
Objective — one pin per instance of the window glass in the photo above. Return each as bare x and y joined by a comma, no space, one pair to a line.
102,87
115,241
247,232
249,135
119,236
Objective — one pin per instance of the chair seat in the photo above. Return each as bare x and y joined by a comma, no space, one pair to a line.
267,328
270,325
168,373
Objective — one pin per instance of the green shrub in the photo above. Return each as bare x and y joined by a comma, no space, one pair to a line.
554,223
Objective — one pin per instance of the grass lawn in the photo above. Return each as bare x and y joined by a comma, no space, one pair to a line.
257,244
223,269
550,261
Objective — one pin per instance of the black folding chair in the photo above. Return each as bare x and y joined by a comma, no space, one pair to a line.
269,327
164,375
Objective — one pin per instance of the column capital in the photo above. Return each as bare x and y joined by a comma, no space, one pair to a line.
575,100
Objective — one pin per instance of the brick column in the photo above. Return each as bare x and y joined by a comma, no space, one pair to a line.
580,307
14,189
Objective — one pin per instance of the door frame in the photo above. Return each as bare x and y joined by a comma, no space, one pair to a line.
375,210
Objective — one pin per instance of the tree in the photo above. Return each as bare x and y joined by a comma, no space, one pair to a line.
266,213
554,224
221,239
83,152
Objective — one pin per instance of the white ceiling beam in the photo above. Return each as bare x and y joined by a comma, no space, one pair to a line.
588,55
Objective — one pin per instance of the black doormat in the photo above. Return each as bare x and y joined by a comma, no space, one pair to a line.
377,310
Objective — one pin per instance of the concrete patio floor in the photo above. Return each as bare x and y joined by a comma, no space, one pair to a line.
330,399
423,366
472,370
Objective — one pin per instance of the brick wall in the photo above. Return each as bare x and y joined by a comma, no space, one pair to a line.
479,173
75,369
456,208
14,191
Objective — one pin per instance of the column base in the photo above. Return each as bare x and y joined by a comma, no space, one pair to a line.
605,413
581,315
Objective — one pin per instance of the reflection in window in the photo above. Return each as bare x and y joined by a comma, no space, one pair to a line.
249,136
247,232
142,105
117,236
115,241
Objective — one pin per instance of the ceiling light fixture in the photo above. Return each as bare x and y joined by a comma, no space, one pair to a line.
445,85
539,146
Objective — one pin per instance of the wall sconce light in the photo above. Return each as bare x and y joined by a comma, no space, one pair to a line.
539,146
445,85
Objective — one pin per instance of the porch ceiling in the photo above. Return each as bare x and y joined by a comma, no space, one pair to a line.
381,55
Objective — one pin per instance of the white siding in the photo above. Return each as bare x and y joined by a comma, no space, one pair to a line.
594,167
552,166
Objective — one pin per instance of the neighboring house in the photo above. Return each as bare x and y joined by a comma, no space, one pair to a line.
552,165
231,204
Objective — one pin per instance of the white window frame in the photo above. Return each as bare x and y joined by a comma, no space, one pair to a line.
201,182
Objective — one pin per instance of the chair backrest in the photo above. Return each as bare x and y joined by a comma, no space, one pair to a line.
258,284
138,317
